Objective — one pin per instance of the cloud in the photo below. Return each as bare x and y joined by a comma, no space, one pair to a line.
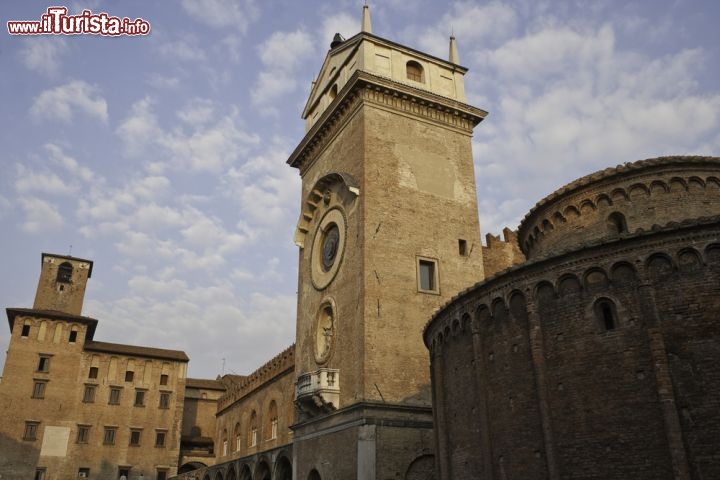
184,50
71,165
40,216
210,146
281,54
43,54
47,182
222,13
197,112
62,102
162,82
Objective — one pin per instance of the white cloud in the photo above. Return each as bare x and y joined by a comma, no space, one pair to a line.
163,82
197,112
71,165
281,54
222,13
343,23
41,182
61,102
40,216
43,53
185,50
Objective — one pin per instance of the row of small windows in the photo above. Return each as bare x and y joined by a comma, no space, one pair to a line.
109,434
89,395
72,335
44,367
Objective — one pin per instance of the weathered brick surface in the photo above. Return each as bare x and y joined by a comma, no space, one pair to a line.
639,400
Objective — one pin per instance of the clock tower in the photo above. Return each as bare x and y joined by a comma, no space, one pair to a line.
388,232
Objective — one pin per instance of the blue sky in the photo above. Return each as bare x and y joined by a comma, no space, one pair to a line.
162,157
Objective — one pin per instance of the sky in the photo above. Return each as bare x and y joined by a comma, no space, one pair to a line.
161,157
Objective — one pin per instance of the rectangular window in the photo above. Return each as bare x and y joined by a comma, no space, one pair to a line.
39,389
139,398
73,336
93,373
40,473
83,434
25,331
31,430
123,473
161,475
83,472
109,436
44,364
427,275
164,399
225,447
163,379
462,247
89,394
135,438
160,438
129,375
114,398
253,437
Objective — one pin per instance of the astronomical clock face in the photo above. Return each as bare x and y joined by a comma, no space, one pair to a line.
327,249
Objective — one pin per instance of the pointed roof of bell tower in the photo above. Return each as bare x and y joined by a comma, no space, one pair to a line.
454,55
366,26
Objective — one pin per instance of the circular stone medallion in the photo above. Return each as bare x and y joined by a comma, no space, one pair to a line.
327,249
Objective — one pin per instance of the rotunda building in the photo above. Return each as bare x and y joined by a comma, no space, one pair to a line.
598,357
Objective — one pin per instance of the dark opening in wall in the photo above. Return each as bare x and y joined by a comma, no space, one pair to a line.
616,223
64,273
606,314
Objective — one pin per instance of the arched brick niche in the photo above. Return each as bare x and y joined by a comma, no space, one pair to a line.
618,202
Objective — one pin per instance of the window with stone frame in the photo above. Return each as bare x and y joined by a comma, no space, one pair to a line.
44,363
39,389
89,394
160,438
83,434
135,435
164,400
114,398
109,435
139,398
31,430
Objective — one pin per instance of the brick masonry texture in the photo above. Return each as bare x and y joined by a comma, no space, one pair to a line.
599,356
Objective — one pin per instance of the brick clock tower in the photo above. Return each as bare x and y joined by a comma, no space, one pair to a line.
388,232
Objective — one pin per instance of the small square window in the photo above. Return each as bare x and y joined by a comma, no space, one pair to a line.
93,373
164,400
427,275
89,394
25,331
129,376
31,430
163,379
109,436
139,398
161,475
160,438
40,473
39,389
135,438
114,398
44,364
73,336
83,433
83,472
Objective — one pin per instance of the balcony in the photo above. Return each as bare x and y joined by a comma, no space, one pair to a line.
318,392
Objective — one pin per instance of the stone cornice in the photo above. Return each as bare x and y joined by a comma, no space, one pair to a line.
383,92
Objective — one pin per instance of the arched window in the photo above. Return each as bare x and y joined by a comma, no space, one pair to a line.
606,314
272,427
252,430
616,223
237,437
225,442
414,71
314,475
64,274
